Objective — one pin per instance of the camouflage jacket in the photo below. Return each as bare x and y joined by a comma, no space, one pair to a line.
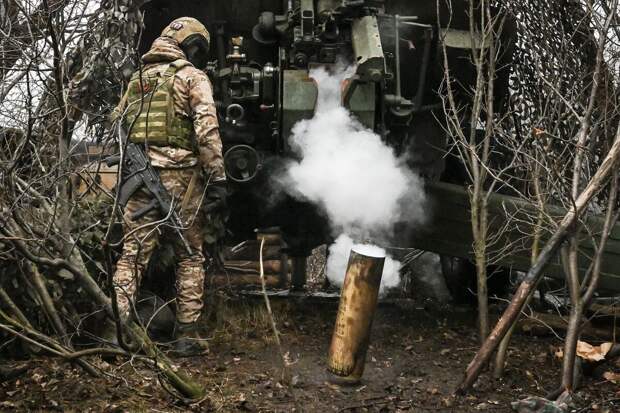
192,97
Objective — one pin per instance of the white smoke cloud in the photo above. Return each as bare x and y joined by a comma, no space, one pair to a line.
338,259
349,172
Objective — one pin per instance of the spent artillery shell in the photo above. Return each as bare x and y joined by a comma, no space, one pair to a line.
358,302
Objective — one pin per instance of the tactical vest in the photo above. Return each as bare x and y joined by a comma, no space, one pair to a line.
150,104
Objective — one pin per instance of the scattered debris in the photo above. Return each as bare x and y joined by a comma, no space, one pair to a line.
612,377
540,405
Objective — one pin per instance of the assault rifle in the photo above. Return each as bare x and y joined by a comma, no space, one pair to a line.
137,173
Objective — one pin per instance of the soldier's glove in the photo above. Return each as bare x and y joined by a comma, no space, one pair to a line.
215,200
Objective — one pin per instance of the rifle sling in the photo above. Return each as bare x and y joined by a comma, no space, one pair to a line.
190,189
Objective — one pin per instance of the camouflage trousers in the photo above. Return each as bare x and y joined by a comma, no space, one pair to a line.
144,234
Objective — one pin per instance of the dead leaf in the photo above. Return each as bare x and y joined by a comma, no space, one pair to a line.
592,353
37,377
8,404
606,347
612,377
448,401
332,386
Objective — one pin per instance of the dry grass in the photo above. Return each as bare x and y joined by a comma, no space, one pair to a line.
246,318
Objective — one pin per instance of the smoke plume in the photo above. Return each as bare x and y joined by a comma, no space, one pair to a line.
349,172
338,259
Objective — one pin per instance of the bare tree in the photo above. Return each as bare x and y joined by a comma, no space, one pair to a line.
566,108
473,123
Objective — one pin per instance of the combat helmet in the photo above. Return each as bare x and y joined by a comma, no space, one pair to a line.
193,38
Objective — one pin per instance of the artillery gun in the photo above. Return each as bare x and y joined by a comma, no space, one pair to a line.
263,52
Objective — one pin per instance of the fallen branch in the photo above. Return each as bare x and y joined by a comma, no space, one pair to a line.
180,381
184,384
50,345
541,322
46,301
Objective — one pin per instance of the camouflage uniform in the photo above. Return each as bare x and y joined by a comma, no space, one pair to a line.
193,99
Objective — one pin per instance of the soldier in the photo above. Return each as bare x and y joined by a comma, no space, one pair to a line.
169,108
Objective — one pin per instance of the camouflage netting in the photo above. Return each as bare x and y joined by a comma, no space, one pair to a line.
551,83
105,58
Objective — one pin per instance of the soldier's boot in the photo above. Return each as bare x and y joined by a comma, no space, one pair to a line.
188,341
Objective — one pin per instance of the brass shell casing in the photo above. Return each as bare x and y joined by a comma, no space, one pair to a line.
358,302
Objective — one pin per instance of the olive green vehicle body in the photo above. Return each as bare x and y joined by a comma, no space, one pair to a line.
449,232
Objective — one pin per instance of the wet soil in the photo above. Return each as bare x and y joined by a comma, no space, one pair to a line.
416,359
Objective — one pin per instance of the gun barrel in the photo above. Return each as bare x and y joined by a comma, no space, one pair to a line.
368,49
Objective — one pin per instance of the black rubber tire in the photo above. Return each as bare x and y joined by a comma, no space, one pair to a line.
460,276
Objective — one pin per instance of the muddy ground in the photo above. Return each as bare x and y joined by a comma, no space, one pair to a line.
416,359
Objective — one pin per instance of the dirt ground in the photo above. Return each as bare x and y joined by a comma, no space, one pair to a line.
414,363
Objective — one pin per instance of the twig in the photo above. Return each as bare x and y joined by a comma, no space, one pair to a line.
56,348
46,300
285,373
